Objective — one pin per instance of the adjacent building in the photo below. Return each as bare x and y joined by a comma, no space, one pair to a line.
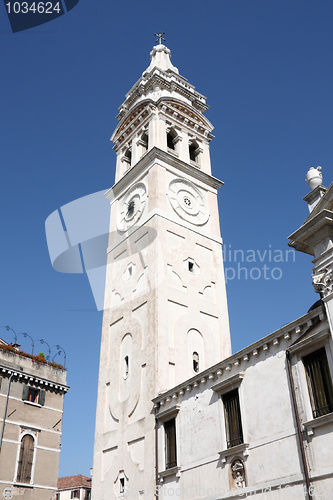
31,409
74,487
179,415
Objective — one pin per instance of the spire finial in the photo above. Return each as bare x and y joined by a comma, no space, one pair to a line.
160,37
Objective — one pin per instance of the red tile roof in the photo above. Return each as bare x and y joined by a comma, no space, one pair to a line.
74,482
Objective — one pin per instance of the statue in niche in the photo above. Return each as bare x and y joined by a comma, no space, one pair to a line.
238,474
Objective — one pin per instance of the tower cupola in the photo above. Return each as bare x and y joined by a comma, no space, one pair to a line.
162,110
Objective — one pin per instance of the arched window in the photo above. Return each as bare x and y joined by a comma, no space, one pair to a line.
144,139
171,136
128,155
195,362
194,151
24,469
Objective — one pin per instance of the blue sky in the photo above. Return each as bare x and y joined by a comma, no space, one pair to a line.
266,69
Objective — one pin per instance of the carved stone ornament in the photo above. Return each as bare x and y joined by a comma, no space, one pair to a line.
323,281
131,206
188,202
238,474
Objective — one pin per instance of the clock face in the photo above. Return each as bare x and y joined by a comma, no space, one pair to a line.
188,202
131,206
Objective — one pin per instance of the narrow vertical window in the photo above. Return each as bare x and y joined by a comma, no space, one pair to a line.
319,382
144,139
170,444
196,362
192,150
233,420
24,469
128,156
122,485
171,139
126,367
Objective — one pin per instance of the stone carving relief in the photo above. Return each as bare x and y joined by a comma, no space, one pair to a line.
323,281
238,474
137,452
209,293
188,202
174,278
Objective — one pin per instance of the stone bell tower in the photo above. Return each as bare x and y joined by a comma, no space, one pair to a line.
165,313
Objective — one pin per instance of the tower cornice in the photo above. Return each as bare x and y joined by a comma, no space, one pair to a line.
165,81
170,107
169,160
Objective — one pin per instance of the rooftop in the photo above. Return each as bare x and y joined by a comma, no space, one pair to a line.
78,481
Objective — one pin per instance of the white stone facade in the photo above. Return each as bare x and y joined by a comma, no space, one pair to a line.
178,416
269,451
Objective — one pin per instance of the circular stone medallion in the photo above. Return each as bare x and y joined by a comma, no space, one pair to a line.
131,206
187,201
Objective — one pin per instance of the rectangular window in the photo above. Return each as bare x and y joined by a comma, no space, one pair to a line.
75,494
57,496
170,444
319,382
233,419
33,395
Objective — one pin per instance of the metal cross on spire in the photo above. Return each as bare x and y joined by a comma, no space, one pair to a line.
160,37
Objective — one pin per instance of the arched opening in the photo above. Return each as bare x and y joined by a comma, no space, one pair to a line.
128,156
196,362
144,139
24,470
171,136
194,151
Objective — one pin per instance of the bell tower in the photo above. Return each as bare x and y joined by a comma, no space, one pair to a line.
165,311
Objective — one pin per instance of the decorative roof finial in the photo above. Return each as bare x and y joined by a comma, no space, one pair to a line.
160,37
314,177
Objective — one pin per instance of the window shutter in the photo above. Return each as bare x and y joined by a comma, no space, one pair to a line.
170,444
25,393
26,459
233,418
319,382
41,397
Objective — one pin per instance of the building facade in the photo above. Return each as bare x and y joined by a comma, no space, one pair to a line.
178,415
31,409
